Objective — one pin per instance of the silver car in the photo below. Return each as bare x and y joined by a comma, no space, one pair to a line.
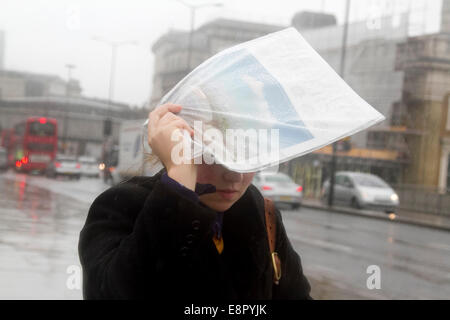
280,188
89,167
362,191
64,166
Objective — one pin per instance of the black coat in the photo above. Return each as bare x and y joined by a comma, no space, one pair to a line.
142,240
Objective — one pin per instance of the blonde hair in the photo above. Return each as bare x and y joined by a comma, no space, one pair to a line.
149,158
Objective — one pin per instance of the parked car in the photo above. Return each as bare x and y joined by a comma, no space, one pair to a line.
64,166
280,188
89,167
3,159
362,191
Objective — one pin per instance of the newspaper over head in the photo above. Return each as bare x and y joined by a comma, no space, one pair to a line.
266,101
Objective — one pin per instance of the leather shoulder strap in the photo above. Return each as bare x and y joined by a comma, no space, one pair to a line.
271,225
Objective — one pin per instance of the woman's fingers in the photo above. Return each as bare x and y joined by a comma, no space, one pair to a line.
163,109
182,124
162,119
167,118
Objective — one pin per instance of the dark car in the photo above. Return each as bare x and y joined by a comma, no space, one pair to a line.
3,159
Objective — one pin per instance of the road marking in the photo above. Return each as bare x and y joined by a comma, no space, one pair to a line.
322,244
441,246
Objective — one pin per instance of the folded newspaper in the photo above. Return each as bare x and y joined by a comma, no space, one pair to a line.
266,101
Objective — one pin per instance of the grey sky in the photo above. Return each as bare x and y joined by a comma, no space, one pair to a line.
44,35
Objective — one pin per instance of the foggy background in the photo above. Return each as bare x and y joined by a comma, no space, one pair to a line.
44,36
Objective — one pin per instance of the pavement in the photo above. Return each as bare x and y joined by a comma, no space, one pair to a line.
401,216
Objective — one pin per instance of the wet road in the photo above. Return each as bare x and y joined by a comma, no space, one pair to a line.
40,220
336,250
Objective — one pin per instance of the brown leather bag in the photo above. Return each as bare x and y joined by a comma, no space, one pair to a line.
271,225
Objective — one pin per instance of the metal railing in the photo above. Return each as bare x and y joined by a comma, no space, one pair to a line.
423,199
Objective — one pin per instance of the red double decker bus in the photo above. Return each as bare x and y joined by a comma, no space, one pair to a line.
33,144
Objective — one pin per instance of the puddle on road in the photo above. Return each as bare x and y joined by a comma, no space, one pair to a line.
38,240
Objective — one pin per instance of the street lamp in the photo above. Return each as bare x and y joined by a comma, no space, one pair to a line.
107,127
114,45
322,6
69,67
342,74
192,8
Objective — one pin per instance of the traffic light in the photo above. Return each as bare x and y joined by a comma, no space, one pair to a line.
107,127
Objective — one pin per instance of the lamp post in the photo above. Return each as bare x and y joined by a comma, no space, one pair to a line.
69,67
114,46
107,127
192,9
342,74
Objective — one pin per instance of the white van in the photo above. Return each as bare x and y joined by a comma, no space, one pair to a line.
132,153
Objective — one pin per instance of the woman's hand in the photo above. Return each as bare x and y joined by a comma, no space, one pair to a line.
161,125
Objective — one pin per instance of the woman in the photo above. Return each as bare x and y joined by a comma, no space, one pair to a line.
189,232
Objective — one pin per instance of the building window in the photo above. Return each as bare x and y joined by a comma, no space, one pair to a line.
376,140
34,89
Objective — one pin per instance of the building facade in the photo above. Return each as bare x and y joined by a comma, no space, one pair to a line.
176,56
369,69
14,84
2,49
445,20
81,120
424,108
404,78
